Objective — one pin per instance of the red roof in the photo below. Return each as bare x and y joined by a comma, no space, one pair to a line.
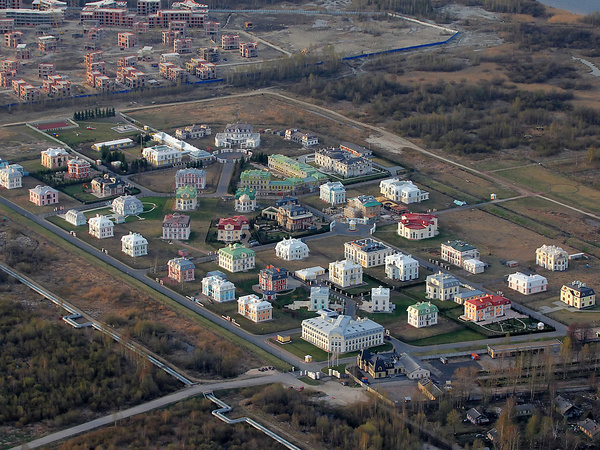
488,300
52,126
416,221
237,221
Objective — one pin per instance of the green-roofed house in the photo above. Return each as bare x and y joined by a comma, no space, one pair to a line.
255,179
367,205
292,168
236,258
186,198
457,252
245,200
422,314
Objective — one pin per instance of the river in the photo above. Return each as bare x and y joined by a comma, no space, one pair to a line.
574,6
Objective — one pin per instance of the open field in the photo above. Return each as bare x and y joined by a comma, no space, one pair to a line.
21,197
164,180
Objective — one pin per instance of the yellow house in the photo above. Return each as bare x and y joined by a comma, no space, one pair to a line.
578,295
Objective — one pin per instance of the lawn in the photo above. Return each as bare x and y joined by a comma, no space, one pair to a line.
82,193
389,234
448,338
21,198
102,132
164,180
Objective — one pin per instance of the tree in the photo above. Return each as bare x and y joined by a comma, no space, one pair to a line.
453,419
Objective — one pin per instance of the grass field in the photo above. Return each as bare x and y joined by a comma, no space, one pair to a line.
448,338
76,137
21,198
164,180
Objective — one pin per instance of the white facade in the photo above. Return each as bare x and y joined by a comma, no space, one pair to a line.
415,226
333,192
291,249
552,258
11,177
341,334
310,273
345,273
342,162
402,191
527,284
101,227
441,286
75,217
245,204
380,300
218,289
319,298
422,315
401,267
134,244
127,205
473,265
238,135
367,252
161,155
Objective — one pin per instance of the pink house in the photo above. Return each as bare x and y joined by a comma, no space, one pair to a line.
43,195
181,270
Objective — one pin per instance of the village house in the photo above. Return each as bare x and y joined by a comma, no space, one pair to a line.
218,288
255,309
193,132
367,252
75,218
238,135
186,198
417,226
306,139
402,191
422,314
43,195
441,286
127,205
101,227
590,428
578,295
552,258
231,229
162,155
527,284
380,300
333,192
341,334
342,163
107,186
362,206
190,177
566,408
11,177
181,270
383,365
319,298
79,169
273,279
477,418
467,294
176,226
134,244
456,252
236,258
54,158
245,200
486,307
294,217
291,249
401,267
345,273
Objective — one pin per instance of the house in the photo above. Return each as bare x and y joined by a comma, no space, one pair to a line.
455,252
181,270
248,49
134,244
291,249
131,77
286,200
493,435
380,300
367,252
255,309
417,226
245,200
552,258
486,307
43,195
107,186
218,288
294,217
176,226
127,205
476,418
230,42
378,366
422,314
273,279
363,206
340,334
402,191
232,229
79,169
429,389
116,144
441,286
101,227
310,273
193,132
566,407
255,179
306,139
413,368
162,155
75,218
401,267
190,177
527,284
54,158
236,258
578,295
186,198
345,273
239,135
590,428
473,265
524,410
319,298
11,177
468,294
293,168
333,192
342,163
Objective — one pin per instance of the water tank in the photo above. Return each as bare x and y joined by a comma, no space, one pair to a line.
352,225
540,325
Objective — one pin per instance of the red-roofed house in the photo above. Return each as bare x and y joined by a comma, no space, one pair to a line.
231,229
415,226
486,307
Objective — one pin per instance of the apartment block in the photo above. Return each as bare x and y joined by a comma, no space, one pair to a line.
131,77
45,70
249,50
56,86
47,43
13,39
126,40
230,42
127,61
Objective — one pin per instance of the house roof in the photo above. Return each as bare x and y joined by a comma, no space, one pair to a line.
410,363
238,222
590,426
249,192
424,308
581,288
488,300
236,251
460,246
185,192
182,263
443,280
177,218
52,152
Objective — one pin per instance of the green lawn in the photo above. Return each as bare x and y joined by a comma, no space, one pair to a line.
102,132
79,192
448,338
